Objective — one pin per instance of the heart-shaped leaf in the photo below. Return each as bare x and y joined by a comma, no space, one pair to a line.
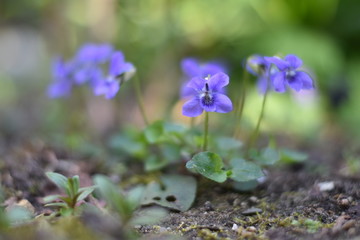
244,171
291,156
227,143
154,132
268,156
174,191
209,165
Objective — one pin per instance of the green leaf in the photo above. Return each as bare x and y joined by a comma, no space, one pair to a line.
113,197
73,186
134,195
149,216
154,162
174,128
57,204
60,180
174,132
76,183
51,198
227,143
209,165
84,192
131,146
67,200
154,132
174,191
171,152
244,171
268,156
290,156
245,186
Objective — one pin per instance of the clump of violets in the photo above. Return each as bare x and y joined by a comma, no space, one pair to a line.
208,95
191,68
88,66
276,73
288,74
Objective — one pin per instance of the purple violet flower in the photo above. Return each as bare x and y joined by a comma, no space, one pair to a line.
208,96
62,85
259,67
94,53
288,74
119,71
88,58
193,68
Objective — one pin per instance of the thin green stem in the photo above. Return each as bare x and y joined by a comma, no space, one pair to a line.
255,133
192,122
206,131
140,99
241,104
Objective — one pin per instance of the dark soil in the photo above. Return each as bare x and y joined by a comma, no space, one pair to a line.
289,205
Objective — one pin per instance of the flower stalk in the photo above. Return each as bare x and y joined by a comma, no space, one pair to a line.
140,99
241,104
206,131
255,133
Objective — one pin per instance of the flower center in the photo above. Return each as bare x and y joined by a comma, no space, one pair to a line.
290,73
206,96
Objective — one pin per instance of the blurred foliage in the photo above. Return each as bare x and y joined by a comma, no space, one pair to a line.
155,35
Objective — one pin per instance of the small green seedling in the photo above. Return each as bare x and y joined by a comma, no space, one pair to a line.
126,205
74,194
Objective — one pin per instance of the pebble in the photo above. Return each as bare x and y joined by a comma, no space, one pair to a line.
236,202
251,229
235,227
243,204
326,186
208,206
344,202
253,199
251,211
23,203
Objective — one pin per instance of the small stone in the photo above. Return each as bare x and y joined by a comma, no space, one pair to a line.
326,186
208,206
251,211
244,204
253,199
344,202
235,227
25,204
236,202
246,234
162,229
251,229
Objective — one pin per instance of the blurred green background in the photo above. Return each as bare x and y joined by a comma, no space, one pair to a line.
155,35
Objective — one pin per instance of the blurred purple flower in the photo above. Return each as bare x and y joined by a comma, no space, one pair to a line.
61,85
208,96
193,68
94,53
259,67
288,74
119,71
88,59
